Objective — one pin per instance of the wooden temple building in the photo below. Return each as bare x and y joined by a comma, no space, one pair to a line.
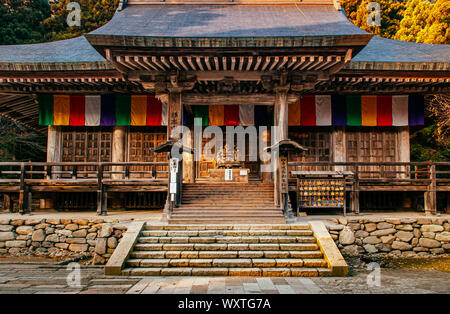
109,100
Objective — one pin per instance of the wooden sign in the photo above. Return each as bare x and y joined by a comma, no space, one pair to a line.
228,174
284,174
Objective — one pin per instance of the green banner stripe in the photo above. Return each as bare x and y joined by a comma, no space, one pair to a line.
123,109
202,112
45,109
353,110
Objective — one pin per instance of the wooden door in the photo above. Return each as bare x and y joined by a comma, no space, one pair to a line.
139,145
86,145
372,146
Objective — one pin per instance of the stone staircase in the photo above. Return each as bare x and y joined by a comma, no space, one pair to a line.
226,250
217,203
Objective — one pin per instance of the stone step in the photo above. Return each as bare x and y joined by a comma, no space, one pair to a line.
226,247
229,239
227,262
224,271
208,233
223,227
217,214
228,206
226,220
226,254
236,210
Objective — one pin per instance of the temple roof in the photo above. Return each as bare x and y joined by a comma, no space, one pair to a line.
142,24
387,54
52,55
229,21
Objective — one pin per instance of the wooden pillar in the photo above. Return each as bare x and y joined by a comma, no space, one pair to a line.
447,207
430,196
281,121
188,161
175,112
339,153
118,149
53,144
8,203
281,112
265,140
403,149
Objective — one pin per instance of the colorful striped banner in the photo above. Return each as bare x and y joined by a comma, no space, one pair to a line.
357,110
310,110
101,110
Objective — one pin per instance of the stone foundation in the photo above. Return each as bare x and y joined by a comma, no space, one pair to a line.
393,237
60,238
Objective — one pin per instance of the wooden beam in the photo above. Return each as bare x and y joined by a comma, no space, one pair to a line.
226,99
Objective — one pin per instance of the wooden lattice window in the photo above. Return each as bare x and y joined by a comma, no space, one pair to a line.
318,144
86,145
372,146
139,144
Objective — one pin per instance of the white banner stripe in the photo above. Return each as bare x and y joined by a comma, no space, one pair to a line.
323,109
92,110
400,110
246,115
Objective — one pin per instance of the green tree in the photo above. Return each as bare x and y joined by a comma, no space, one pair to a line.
21,21
391,15
94,13
19,143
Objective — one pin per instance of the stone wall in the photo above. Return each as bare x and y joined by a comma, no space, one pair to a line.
393,237
60,238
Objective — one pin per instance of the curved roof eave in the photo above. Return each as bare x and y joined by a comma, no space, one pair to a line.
75,54
214,26
388,54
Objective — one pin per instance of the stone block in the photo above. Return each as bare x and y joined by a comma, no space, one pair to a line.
429,243
78,247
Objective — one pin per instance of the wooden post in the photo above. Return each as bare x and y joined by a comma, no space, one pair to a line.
188,174
403,148
430,197
355,192
24,193
281,121
175,111
8,204
338,147
101,193
266,175
447,208
118,150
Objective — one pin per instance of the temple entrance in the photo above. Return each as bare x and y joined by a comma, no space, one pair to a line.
210,168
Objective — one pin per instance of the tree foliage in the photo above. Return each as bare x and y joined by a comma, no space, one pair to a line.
21,21
32,21
94,13
410,20
19,143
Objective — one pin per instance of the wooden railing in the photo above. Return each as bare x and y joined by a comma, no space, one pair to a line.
428,177
24,177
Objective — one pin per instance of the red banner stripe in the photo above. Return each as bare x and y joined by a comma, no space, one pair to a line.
231,115
77,109
384,110
154,111
308,110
